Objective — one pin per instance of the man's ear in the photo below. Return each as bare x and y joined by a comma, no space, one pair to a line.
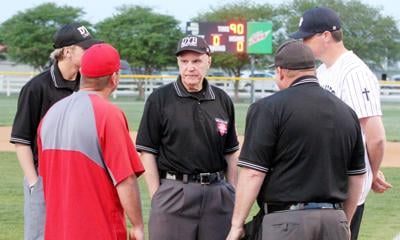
280,73
66,52
327,36
114,80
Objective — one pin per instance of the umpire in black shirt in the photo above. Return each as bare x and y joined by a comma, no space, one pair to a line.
302,156
188,146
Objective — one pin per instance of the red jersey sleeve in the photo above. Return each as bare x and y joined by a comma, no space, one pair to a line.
118,151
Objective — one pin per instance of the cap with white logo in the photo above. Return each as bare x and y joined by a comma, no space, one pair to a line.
194,44
317,20
73,34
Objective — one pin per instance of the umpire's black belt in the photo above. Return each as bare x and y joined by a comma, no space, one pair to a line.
270,208
202,178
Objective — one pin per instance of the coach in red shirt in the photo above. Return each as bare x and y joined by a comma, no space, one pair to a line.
87,159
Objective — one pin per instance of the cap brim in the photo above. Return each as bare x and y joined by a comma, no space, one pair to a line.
88,43
177,53
300,35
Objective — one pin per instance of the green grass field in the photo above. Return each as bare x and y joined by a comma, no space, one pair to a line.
382,215
134,109
381,221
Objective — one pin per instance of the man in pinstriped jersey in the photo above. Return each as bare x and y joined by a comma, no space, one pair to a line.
344,74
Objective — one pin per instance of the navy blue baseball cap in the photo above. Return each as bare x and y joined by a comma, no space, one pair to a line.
317,20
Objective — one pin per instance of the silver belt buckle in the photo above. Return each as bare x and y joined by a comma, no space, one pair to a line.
170,176
205,178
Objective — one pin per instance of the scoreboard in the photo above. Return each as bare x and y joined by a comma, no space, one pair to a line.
221,36
234,36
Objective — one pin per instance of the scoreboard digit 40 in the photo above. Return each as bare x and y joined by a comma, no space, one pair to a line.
234,36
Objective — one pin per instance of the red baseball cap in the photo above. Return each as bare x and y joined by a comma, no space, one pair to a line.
100,60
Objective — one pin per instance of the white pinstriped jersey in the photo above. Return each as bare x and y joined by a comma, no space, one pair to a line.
350,79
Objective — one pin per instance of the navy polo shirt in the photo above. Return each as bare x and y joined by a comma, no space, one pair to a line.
307,141
189,133
35,98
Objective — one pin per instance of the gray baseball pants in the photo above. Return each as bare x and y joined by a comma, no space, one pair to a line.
34,211
191,211
315,224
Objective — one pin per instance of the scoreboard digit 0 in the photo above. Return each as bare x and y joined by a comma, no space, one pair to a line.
221,36
234,36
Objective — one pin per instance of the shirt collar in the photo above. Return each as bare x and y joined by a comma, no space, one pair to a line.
305,79
60,82
182,92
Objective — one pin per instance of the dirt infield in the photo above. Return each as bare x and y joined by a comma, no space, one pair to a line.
392,153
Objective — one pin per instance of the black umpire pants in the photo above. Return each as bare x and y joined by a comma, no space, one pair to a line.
191,211
356,222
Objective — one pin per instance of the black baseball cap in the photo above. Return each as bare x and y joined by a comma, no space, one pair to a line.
194,44
294,55
317,20
73,34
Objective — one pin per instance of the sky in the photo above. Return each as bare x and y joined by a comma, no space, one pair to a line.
182,10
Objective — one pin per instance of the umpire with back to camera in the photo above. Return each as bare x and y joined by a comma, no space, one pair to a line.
188,147
302,156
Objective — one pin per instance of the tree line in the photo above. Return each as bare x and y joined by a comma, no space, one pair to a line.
147,40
